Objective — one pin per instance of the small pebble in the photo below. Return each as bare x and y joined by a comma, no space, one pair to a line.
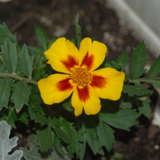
156,147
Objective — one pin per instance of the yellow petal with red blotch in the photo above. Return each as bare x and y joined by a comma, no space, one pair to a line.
108,83
55,88
92,54
62,55
85,98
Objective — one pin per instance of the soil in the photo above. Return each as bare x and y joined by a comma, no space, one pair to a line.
98,20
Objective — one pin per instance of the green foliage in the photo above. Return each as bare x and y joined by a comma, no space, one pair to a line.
20,95
137,89
108,139
9,55
138,61
5,87
155,68
6,33
7,144
73,146
77,31
123,119
56,126
46,138
25,62
34,152
123,60
42,37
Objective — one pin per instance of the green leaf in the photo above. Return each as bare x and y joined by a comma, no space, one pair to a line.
53,39
20,95
155,68
138,61
144,107
138,90
34,152
5,88
38,117
73,136
10,116
36,52
155,82
82,149
7,144
61,134
5,32
77,30
113,64
46,138
105,135
58,145
93,141
123,119
42,37
67,104
25,63
9,55
23,117
123,59
126,105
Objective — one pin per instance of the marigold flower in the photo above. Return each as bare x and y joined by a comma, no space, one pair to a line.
81,78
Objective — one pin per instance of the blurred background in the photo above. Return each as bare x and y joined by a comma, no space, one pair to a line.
98,19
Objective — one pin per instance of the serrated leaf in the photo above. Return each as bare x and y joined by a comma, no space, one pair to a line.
138,61
62,135
123,119
93,141
123,59
73,136
34,152
5,88
105,135
25,62
138,90
46,138
42,37
5,32
20,95
7,144
155,68
144,107
9,56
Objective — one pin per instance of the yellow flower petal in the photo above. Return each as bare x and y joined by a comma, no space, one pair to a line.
92,54
85,98
108,83
55,88
62,55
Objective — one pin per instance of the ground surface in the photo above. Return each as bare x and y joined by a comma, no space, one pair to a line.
97,20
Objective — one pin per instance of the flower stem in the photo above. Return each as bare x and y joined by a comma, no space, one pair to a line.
18,77
77,30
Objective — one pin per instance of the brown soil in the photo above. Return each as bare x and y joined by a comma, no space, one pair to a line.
97,20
